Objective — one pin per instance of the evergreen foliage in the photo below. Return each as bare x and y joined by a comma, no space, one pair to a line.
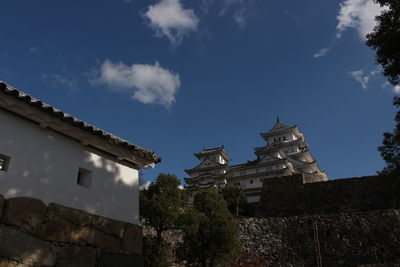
210,234
235,200
156,254
390,150
161,207
385,39
162,204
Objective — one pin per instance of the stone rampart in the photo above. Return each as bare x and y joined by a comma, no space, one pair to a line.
291,195
349,239
34,234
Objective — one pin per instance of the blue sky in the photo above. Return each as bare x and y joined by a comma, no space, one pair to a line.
178,76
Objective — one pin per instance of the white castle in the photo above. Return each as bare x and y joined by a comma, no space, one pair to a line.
285,153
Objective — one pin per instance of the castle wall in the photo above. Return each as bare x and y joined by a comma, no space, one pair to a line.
348,239
44,164
34,234
290,195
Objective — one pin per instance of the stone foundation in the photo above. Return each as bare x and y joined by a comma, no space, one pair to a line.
292,196
347,239
33,234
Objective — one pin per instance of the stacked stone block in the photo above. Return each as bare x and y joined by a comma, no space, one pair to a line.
348,239
33,234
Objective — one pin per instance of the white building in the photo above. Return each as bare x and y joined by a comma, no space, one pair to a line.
285,153
50,155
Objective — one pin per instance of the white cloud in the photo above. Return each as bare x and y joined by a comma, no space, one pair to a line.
359,76
240,10
322,52
396,88
170,19
33,50
240,17
56,80
358,14
145,185
149,84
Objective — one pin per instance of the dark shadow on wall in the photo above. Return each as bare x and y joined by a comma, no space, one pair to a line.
106,191
290,196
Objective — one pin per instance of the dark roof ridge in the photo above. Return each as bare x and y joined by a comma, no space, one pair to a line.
11,91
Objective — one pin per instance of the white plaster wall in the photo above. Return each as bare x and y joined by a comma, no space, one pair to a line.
44,165
252,199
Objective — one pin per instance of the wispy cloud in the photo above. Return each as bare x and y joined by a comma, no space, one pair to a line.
149,84
168,18
322,52
33,50
291,15
360,77
240,10
396,88
57,80
354,14
144,186
240,17
358,14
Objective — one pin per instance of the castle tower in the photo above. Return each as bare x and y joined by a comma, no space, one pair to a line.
289,143
210,172
285,153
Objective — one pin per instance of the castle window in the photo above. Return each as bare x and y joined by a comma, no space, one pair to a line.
251,181
284,138
4,161
84,178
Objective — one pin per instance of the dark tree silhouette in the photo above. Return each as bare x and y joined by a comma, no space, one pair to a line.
390,150
211,236
385,40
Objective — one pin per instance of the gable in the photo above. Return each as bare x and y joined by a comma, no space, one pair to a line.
206,163
279,126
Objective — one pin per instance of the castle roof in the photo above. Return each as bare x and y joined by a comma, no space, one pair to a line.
131,148
213,151
279,128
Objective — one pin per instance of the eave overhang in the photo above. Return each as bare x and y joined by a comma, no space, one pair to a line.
23,105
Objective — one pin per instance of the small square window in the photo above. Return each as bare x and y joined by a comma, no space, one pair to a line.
84,178
4,161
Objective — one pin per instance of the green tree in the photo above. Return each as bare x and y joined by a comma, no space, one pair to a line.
385,39
156,254
390,150
235,199
162,204
211,237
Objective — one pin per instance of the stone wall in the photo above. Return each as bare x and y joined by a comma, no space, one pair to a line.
33,234
290,195
348,239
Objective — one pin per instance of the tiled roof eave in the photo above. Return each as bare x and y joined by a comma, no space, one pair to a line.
66,118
